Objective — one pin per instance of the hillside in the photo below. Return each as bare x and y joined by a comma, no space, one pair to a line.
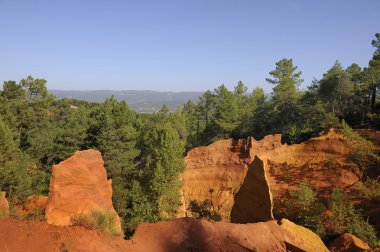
143,101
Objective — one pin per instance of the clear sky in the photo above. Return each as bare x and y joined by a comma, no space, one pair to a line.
179,45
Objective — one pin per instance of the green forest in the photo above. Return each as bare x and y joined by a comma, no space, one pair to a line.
143,153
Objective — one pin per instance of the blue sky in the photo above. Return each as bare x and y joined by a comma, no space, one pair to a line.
179,45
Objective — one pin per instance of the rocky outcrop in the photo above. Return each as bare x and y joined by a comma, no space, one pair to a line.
216,172
184,234
311,240
187,234
253,201
4,206
78,186
348,243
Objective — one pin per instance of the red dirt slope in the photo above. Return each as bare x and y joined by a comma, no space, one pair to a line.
24,236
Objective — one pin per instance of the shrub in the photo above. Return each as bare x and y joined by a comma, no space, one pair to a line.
363,230
306,209
96,219
37,215
345,218
369,189
203,210
362,149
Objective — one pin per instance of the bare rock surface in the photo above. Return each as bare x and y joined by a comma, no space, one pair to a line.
308,237
78,186
349,243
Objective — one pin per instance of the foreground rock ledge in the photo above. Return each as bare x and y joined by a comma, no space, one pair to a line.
348,242
184,234
78,186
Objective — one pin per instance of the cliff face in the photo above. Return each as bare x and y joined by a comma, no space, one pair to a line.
78,186
253,201
216,172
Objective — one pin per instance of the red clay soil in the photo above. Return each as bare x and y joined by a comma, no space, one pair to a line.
23,236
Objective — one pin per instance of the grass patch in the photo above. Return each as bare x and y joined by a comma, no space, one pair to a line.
96,219
362,149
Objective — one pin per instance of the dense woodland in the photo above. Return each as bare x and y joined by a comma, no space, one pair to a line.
143,153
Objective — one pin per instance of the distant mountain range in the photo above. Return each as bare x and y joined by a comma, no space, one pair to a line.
143,101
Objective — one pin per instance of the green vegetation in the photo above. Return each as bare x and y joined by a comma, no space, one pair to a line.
362,150
345,218
305,209
99,220
142,153
339,216
369,189
349,94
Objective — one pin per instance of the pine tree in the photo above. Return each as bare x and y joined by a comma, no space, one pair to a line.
162,162
14,178
113,132
285,98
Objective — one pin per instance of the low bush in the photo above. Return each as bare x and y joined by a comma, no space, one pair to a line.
37,215
304,209
345,218
96,219
362,149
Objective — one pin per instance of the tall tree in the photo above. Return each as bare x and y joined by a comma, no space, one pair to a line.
162,148
336,88
376,43
227,114
112,130
285,96
14,177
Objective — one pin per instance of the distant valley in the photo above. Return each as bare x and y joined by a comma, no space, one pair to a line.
143,101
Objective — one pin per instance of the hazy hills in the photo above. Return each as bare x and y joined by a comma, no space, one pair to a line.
143,101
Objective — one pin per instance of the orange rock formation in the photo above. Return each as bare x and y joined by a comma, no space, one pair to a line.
348,242
79,185
216,172
253,201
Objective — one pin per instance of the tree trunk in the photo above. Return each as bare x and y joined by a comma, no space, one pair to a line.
373,101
